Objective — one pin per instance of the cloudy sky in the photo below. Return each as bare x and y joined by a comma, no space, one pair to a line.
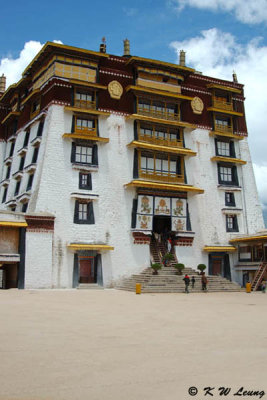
219,36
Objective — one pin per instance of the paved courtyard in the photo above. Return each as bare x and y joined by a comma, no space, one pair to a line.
108,344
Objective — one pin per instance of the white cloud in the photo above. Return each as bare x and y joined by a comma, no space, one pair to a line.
250,12
217,54
260,175
12,68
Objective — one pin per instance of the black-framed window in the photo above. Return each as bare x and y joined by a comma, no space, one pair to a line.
24,207
5,194
17,187
231,223
227,174
30,181
84,213
85,181
21,164
229,199
26,138
8,171
35,155
162,163
225,148
40,128
12,147
83,154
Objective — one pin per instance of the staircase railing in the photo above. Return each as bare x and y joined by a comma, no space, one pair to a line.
258,276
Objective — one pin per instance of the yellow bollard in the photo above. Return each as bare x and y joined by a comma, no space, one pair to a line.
248,287
138,288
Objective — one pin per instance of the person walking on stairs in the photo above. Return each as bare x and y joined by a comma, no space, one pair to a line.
187,283
193,282
204,282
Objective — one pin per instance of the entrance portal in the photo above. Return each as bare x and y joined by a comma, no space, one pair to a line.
87,270
162,224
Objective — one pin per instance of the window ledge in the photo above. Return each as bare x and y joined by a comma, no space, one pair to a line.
11,203
8,160
84,196
232,210
12,138
22,151
18,174
229,187
36,141
5,182
24,197
85,167
30,167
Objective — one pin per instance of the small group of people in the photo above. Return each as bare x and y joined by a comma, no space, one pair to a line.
187,281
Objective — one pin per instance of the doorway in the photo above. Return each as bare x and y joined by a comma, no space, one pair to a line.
87,273
162,224
9,276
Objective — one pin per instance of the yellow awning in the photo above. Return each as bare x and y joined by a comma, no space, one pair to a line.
248,239
164,186
217,249
84,246
13,223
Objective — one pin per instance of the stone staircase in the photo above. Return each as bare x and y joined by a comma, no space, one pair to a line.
167,281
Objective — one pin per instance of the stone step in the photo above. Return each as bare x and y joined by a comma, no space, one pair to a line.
90,286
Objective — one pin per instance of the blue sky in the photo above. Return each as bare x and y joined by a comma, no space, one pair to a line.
219,36
150,25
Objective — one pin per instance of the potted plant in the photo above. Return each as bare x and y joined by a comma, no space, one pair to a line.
201,268
167,258
156,267
179,267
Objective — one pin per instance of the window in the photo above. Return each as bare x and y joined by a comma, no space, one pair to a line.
231,223
227,175
17,187
26,138
12,149
225,148
82,125
30,180
8,172
35,106
84,213
161,109
229,199
40,128
35,155
21,164
223,124
82,154
24,207
85,181
4,195
161,165
84,99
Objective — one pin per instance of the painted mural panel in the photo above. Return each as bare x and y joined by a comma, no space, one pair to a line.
144,222
178,224
179,207
145,204
162,206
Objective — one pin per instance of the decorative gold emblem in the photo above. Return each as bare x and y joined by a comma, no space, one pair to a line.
197,105
115,90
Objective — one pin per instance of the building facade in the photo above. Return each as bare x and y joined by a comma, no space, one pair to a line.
103,155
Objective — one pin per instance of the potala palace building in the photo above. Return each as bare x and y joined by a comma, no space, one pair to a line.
101,155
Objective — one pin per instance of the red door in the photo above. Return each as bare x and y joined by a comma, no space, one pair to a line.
87,270
217,266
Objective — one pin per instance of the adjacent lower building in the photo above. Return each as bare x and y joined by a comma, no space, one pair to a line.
102,156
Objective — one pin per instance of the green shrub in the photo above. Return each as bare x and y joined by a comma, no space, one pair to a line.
201,267
156,266
179,267
168,257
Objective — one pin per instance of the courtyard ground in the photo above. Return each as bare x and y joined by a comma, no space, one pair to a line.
108,344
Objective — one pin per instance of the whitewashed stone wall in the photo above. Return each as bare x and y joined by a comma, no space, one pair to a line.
38,260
